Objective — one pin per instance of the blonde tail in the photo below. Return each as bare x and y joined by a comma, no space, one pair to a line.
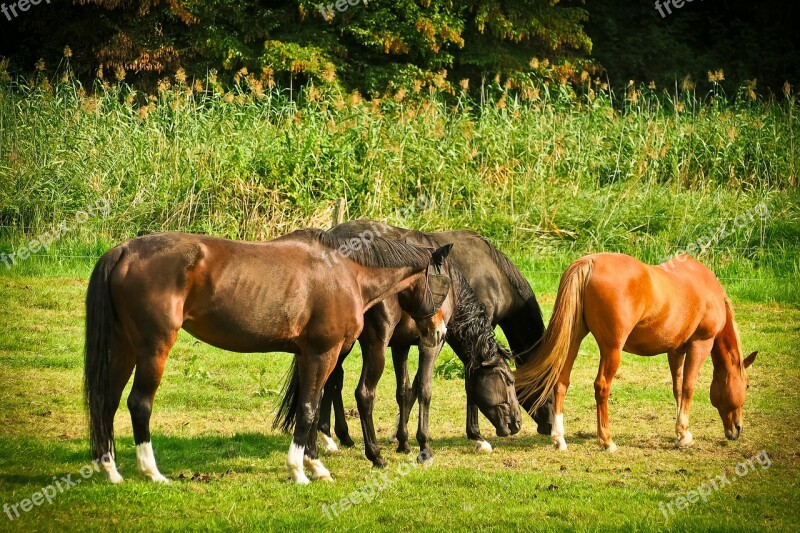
540,374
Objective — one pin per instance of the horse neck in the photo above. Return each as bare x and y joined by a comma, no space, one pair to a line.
379,283
524,329
726,353
469,331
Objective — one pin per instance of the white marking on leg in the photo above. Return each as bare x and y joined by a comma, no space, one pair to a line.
146,462
482,446
685,437
110,467
330,444
557,434
294,462
318,470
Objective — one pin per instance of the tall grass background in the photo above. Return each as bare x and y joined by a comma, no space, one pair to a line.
548,174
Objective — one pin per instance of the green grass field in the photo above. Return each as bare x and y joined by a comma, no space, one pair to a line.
212,437
547,178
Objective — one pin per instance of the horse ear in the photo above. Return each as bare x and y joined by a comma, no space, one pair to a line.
438,257
750,359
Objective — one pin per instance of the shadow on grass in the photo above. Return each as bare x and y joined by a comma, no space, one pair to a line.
37,462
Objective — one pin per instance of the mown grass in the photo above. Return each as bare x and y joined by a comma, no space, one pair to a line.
213,438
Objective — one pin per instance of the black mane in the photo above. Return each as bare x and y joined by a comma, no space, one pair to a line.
377,253
469,330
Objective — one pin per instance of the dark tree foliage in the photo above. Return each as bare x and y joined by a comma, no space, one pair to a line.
387,44
368,45
747,39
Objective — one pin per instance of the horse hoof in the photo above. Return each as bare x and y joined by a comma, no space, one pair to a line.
560,446
483,446
330,444
424,456
346,441
611,447
685,441
325,479
300,479
379,463
159,479
115,479
403,448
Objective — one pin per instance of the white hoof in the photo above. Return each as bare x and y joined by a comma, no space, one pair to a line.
300,478
110,468
686,440
318,470
560,445
483,446
610,447
330,444
158,478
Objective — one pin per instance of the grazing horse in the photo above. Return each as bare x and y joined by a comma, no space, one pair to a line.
681,310
244,297
507,300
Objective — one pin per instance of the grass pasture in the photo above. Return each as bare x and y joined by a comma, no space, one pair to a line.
212,437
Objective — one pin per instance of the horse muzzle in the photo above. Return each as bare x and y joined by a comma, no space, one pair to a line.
735,433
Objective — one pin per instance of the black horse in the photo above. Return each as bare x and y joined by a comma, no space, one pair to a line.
507,300
488,379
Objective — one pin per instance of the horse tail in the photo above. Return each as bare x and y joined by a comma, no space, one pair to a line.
100,319
287,412
540,375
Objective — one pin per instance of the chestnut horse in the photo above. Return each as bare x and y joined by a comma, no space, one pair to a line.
679,309
244,297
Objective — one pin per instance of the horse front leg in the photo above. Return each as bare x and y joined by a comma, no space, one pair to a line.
424,391
474,430
374,356
676,360
404,395
696,354
313,373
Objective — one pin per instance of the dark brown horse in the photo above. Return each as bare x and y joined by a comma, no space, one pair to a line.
507,299
626,305
281,295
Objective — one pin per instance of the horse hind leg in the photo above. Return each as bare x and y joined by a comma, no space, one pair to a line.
121,366
149,369
560,393
609,363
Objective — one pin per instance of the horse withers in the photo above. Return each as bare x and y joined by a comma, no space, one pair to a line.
280,295
680,309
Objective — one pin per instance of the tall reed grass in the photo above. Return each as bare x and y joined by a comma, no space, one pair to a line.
550,175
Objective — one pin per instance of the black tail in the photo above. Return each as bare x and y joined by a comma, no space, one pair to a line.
97,356
287,412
